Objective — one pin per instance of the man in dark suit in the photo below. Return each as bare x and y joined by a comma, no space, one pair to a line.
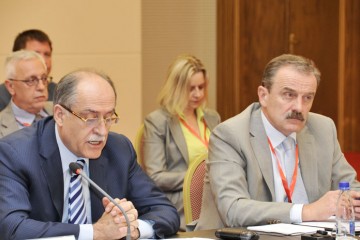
33,40
35,175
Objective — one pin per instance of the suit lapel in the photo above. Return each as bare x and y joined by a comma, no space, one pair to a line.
48,108
8,123
308,163
175,128
261,149
98,175
211,121
51,163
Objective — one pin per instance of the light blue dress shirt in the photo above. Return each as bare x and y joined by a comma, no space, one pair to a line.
276,139
23,117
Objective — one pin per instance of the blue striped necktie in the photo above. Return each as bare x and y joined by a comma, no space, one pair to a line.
77,213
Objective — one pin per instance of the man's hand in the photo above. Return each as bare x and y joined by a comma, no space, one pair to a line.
322,209
356,203
112,224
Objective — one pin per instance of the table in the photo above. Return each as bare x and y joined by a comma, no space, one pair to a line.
211,234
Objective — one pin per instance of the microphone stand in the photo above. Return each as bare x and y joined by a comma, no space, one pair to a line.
128,235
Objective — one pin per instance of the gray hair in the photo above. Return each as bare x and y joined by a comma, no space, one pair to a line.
66,93
22,55
301,64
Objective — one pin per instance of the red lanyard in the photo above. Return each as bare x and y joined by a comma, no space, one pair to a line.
24,124
204,141
288,191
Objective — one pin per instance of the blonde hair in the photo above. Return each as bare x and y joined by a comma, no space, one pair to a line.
174,95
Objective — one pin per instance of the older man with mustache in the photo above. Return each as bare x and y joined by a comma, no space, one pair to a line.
39,195
276,161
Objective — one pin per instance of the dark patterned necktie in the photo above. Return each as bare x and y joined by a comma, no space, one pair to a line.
77,213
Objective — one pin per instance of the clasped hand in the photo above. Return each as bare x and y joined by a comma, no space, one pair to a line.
112,224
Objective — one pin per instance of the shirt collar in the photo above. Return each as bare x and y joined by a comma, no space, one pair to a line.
24,116
66,155
199,114
273,134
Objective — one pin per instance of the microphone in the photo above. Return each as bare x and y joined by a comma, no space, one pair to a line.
76,169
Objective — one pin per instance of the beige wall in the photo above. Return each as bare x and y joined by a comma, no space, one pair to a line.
109,36
170,28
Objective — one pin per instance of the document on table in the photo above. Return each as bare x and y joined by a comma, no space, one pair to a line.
193,238
284,229
56,238
328,225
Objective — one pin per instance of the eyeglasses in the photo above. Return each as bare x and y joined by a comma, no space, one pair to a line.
34,81
93,122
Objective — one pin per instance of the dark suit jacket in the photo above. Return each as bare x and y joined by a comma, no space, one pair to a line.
31,185
5,95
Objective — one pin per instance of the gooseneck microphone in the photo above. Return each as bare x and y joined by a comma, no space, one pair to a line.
76,169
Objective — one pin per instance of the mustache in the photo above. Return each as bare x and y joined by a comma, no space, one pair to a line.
96,138
295,115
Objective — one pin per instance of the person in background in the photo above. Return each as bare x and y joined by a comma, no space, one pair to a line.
178,132
38,193
276,161
26,81
38,41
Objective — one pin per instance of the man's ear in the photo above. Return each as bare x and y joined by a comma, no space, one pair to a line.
59,114
263,94
10,86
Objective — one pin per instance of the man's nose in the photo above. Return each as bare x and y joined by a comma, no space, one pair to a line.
40,85
298,104
101,128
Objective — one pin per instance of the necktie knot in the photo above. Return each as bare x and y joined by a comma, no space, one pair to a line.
39,116
288,143
81,162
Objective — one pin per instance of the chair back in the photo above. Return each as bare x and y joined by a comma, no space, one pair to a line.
193,188
353,159
138,145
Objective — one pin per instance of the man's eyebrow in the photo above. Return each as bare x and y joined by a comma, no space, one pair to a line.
288,89
293,90
93,111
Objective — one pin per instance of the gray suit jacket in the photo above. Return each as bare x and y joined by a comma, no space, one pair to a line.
166,155
240,170
7,119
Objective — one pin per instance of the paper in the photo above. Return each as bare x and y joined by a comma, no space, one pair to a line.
56,238
327,225
193,238
284,229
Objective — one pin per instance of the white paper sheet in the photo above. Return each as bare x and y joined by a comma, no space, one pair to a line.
284,229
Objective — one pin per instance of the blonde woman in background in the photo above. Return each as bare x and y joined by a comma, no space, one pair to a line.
178,132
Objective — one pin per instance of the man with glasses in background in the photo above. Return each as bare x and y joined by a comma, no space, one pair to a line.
34,40
36,194
27,81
